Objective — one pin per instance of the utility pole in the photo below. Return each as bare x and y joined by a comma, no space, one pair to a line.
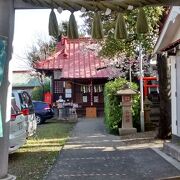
6,31
130,73
141,89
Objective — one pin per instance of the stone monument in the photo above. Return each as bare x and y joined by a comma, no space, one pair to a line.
127,125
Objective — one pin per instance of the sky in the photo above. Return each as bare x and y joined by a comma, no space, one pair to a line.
31,25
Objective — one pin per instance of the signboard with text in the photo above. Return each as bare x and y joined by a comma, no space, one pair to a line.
3,57
1,126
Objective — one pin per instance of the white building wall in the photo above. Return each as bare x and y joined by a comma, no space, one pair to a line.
178,92
173,96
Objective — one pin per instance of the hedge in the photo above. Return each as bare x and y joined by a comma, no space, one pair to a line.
113,110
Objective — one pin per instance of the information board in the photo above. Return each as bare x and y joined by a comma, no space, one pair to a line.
1,127
3,57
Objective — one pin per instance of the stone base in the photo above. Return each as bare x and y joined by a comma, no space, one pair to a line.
172,149
9,177
127,131
175,139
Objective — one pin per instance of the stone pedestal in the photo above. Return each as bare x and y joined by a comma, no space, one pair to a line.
9,177
127,131
127,125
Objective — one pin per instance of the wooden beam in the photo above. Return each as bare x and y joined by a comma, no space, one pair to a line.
86,5
168,2
113,6
39,4
97,5
73,6
20,4
64,6
141,3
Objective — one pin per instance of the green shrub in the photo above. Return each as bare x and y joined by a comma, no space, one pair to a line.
113,110
37,92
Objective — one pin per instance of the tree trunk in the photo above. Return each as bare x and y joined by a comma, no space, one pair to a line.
164,131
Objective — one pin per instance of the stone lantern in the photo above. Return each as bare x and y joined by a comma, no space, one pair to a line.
127,125
147,109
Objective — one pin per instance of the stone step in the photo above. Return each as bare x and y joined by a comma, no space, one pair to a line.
154,118
154,115
155,105
150,126
172,149
155,122
154,110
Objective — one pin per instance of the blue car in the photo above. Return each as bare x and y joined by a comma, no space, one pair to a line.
42,111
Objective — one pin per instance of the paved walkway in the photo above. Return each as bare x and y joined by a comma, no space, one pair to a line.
92,154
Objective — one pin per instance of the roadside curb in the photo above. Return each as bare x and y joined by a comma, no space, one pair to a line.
169,159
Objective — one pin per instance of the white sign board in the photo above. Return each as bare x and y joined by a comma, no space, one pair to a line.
68,95
1,128
84,99
96,99
68,91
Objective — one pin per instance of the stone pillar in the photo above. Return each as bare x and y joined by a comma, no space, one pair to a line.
147,110
126,110
127,123
6,31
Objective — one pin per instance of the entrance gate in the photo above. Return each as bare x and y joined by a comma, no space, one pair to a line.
7,11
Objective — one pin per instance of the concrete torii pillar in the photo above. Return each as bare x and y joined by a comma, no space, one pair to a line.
6,30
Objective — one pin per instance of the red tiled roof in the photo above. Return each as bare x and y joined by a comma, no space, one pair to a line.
73,62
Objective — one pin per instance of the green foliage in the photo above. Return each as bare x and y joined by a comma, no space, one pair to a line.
37,93
113,111
130,45
40,151
112,47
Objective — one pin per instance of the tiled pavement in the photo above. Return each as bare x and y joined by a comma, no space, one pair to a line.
93,154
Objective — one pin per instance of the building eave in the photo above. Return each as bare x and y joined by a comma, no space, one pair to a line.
169,30
102,5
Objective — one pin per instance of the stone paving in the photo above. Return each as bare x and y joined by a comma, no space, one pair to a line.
93,154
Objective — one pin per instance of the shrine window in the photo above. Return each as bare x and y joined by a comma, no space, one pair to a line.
58,86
